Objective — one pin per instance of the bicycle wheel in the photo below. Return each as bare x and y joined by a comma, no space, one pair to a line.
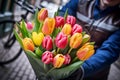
9,48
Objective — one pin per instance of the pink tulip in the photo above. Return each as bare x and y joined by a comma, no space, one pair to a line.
29,26
67,59
47,43
59,21
76,29
47,57
61,40
71,20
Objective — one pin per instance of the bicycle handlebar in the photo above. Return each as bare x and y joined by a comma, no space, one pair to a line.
25,5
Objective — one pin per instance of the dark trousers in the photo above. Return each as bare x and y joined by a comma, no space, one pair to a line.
101,75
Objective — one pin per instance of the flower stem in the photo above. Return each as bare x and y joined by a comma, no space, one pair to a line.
74,59
69,50
50,70
58,50
45,68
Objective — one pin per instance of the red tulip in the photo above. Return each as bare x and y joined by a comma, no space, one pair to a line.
67,59
71,20
59,21
76,29
47,57
42,14
47,43
61,40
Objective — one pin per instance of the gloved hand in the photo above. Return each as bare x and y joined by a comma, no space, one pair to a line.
77,75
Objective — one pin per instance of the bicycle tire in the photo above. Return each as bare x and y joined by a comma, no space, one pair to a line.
7,45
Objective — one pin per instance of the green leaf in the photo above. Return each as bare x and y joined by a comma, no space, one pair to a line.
66,14
18,38
56,13
37,24
26,33
37,65
92,43
64,72
21,30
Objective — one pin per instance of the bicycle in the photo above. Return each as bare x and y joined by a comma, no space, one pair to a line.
7,39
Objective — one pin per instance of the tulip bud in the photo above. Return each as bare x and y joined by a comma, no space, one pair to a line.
29,26
37,38
67,59
42,14
47,43
48,26
76,29
86,38
75,40
47,57
85,52
61,40
71,20
59,21
58,60
28,44
67,29
38,52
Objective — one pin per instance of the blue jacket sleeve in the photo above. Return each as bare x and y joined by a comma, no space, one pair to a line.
71,6
104,56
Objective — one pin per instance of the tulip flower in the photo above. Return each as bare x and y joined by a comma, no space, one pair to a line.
47,57
61,40
47,43
29,26
85,52
67,59
48,26
71,20
59,21
42,14
58,60
75,40
28,44
37,38
67,29
76,29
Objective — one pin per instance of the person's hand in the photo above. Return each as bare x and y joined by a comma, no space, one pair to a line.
75,75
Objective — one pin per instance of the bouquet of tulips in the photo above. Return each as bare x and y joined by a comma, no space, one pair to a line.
56,46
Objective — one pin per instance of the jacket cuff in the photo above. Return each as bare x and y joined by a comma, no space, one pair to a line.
82,76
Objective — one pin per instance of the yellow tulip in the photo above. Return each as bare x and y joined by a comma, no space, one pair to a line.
48,26
28,44
75,40
67,29
58,60
37,38
85,51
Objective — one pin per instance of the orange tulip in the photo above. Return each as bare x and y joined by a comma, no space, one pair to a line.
58,60
85,52
48,26
75,40
42,14
67,29
28,44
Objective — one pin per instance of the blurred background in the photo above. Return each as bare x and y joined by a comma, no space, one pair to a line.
14,64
